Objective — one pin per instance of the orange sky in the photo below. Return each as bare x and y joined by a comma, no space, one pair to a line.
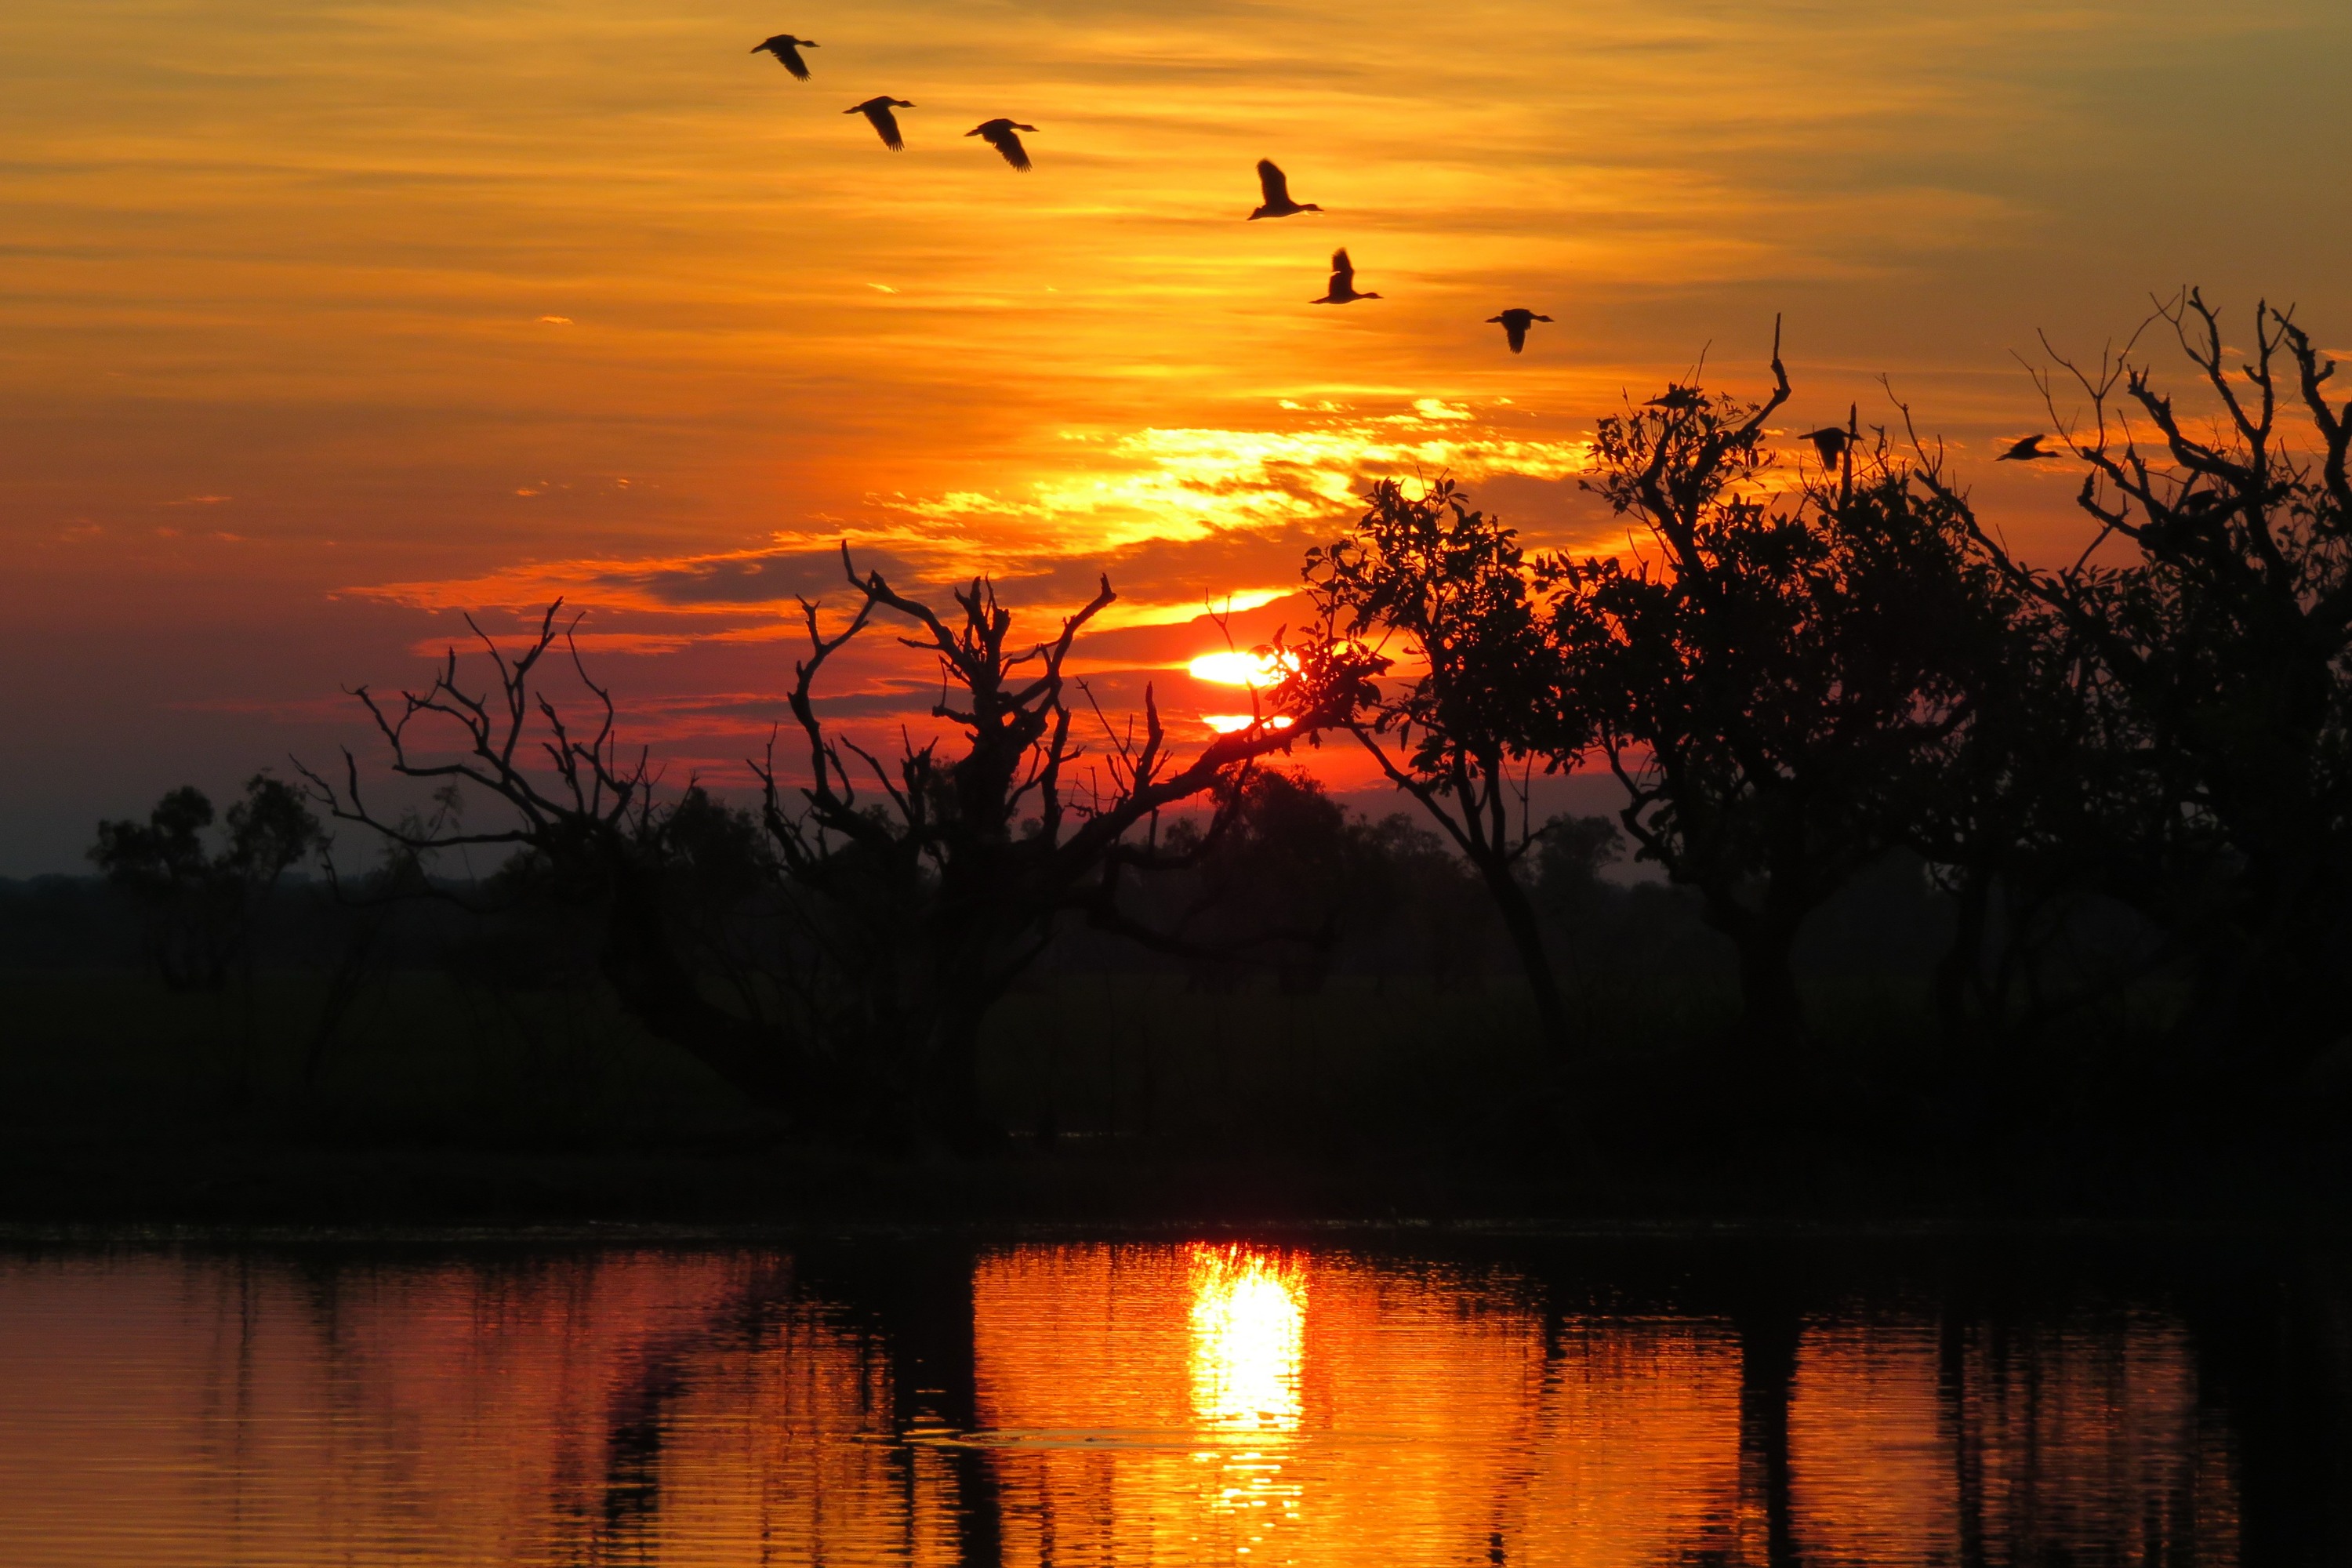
321,322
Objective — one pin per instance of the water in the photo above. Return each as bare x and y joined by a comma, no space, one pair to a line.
906,1401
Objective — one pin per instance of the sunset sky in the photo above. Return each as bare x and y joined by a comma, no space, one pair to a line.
322,323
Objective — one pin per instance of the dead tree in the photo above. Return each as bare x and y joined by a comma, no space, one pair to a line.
948,871
919,895
585,812
2219,654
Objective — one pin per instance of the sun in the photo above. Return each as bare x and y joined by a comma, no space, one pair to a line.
1235,668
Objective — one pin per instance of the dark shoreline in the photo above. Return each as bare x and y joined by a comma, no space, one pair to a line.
68,1191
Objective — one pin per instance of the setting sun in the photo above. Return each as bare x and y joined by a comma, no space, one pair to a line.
1235,668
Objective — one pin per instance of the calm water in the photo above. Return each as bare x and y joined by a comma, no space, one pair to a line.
918,1401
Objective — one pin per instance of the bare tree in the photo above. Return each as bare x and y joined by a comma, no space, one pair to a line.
2219,661
951,872
920,893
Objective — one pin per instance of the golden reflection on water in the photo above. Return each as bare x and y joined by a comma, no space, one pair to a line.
1249,1315
1065,1405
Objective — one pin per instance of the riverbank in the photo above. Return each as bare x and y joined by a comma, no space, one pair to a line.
65,1184
122,1105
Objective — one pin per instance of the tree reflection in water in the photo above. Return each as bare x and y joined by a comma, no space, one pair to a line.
886,1402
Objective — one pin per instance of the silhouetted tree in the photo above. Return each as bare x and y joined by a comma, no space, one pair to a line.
202,904
2030,806
920,898
2218,665
952,878
1568,862
1290,882
1779,680
1481,704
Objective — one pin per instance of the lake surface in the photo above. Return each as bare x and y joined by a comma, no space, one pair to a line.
923,1401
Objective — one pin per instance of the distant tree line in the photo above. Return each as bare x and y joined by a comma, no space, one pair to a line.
2131,768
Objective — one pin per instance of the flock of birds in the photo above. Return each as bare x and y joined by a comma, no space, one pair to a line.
1004,134
1274,201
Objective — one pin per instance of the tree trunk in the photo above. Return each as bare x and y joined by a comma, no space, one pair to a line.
1962,962
1527,938
1771,1015
950,1111
764,1065
1767,990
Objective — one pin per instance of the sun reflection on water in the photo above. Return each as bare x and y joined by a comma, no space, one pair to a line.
1249,1332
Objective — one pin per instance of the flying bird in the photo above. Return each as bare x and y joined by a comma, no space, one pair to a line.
1276,186
787,50
1830,442
998,134
1343,282
1515,323
886,124
2025,451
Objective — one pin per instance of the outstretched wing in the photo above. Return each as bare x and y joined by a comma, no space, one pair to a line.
1001,137
1343,272
1515,327
788,57
887,124
1272,183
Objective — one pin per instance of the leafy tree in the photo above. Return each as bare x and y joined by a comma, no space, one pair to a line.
1781,678
1568,860
2217,665
1481,703
203,904
1273,882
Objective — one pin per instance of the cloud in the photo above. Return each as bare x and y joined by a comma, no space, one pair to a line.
1179,518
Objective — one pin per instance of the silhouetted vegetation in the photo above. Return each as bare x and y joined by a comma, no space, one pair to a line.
833,957
1780,682
1485,698
2214,668
1931,849
199,903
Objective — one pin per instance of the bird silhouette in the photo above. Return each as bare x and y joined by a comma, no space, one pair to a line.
1515,323
2025,451
1830,442
787,50
1343,282
1675,397
1275,187
998,134
886,124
